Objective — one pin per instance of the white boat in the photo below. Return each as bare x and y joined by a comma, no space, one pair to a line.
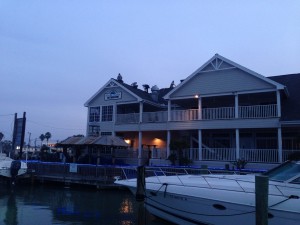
11,168
222,199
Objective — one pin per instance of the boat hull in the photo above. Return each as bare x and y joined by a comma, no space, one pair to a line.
182,209
191,205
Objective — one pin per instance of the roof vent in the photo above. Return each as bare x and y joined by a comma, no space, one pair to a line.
146,87
155,88
135,85
120,78
172,85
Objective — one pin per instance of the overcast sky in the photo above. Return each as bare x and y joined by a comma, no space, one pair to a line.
55,54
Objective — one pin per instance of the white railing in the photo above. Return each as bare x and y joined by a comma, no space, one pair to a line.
222,154
260,155
127,118
287,153
158,153
184,115
245,112
258,111
218,113
153,117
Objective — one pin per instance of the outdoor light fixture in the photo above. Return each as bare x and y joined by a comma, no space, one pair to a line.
196,96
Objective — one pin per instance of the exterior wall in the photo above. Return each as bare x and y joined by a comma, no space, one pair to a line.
100,99
222,82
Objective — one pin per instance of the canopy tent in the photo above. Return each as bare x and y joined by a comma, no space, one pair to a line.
103,141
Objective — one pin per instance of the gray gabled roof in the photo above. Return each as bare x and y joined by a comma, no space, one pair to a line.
217,57
141,95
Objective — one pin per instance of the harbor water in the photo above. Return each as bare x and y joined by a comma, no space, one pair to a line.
47,204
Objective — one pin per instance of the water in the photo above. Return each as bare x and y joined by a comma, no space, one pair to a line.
44,204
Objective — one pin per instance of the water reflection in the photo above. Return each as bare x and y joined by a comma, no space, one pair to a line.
11,211
65,206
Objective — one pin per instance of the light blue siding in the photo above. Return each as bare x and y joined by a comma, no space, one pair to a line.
100,98
222,81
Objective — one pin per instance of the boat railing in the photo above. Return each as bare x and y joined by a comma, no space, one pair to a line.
240,185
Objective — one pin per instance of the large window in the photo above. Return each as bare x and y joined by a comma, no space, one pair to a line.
107,113
94,114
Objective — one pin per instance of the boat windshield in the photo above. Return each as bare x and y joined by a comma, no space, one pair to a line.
285,171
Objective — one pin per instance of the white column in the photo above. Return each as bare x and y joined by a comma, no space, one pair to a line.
168,142
199,108
141,112
200,144
140,153
236,106
237,143
169,110
278,103
279,134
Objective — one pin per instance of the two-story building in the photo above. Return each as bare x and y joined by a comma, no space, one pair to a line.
220,113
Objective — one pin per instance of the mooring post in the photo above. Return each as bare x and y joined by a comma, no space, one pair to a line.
140,194
140,184
261,199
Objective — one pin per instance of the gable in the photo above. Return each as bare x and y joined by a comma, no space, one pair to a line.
110,93
220,76
221,82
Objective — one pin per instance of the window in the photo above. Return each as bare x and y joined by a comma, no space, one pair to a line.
107,113
94,130
94,114
106,133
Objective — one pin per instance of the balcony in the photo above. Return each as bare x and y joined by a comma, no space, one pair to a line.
244,112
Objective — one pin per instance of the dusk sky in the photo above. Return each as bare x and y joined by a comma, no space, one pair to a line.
56,54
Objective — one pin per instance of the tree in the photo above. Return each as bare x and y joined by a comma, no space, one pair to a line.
42,137
47,136
1,136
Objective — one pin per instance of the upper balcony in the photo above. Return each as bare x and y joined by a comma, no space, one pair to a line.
244,112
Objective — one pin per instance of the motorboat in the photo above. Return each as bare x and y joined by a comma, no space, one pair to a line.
11,168
221,199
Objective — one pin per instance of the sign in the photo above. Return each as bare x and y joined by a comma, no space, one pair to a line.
113,95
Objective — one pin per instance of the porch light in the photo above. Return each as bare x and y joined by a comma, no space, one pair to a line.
127,141
196,96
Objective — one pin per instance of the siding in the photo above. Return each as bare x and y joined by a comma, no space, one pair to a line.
223,81
99,100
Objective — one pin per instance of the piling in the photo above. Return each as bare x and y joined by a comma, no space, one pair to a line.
261,199
140,184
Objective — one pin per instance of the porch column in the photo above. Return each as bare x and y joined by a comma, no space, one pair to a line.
279,134
199,108
141,112
140,153
236,106
169,110
114,113
168,142
278,103
237,143
200,144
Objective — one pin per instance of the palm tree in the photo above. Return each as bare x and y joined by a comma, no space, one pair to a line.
42,137
47,136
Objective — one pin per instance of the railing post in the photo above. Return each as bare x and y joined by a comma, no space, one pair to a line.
236,106
200,144
237,143
279,144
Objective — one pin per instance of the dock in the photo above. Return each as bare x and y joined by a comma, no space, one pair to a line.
103,176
